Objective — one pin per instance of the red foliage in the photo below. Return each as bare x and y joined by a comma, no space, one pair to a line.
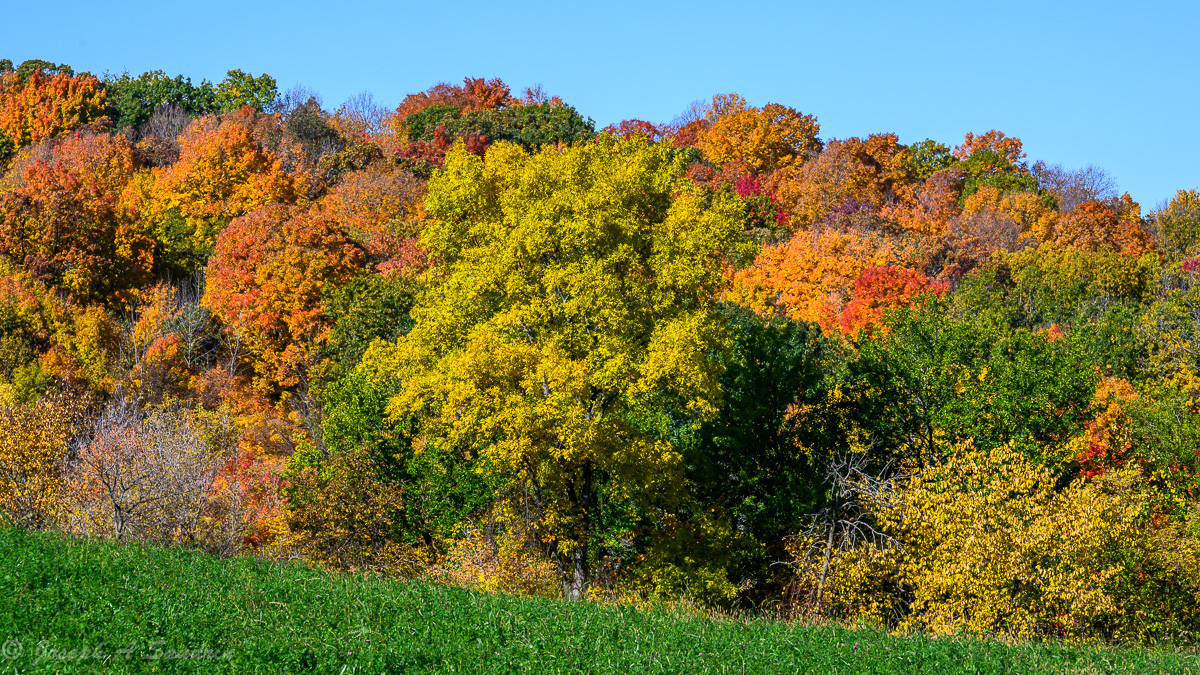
880,288
434,152
635,128
762,206
475,94
1108,435
688,135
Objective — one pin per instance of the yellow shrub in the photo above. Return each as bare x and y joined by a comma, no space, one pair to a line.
33,445
991,545
690,559
500,558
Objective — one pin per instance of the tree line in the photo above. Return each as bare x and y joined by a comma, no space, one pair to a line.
474,339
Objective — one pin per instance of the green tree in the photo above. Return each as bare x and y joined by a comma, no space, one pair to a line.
754,461
928,157
929,379
363,497
531,126
240,88
131,100
571,287
371,307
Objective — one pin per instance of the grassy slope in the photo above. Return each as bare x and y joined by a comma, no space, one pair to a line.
121,601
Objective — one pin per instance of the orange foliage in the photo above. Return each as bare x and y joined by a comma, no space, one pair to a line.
880,288
68,222
768,138
383,212
46,105
1006,147
1053,332
1094,225
932,205
1108,434
811,276
249,486
266,280
871,174
223,172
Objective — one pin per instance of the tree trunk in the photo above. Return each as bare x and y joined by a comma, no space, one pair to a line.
573,566
576,584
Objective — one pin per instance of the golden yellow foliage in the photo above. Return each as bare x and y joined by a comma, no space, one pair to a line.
33,447
988,543
1026,208
570,287
501,555
769,138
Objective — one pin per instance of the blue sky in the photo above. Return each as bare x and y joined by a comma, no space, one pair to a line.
1104,83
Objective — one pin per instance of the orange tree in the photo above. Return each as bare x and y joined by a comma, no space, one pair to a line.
44,105
223,172
69,221
265,282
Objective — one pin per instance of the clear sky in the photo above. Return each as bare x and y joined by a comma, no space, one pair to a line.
1107,83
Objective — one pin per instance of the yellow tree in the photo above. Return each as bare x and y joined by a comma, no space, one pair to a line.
571,294
769,138
1025,208
33,447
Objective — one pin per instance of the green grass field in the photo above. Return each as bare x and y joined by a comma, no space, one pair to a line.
70,606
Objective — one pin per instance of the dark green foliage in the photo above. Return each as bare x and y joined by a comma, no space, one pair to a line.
17,344
931,379
307,125
252,616
1099,295
7,148
131,100
365,487
30,66
368,308
421,125
530,126
752,461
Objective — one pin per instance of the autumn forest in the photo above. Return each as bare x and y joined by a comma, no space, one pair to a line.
928,385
